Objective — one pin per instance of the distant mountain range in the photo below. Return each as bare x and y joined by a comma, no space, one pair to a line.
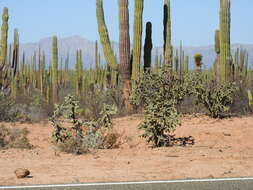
72,43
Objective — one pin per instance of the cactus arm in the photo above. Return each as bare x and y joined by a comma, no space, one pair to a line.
104,36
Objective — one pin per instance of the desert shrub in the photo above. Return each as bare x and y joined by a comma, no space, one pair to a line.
188,106
159,94
14,138
32,108
216,97
81,136
7,111
95,97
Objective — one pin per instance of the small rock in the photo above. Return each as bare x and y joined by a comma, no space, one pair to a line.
96,157
21,173
128,162
227,134
220,150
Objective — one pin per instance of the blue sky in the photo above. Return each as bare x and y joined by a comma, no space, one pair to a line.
193,21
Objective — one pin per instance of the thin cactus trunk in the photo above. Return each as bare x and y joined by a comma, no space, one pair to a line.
55,69
217,64
186,65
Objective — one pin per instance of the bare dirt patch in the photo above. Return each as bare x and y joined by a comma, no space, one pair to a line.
223,148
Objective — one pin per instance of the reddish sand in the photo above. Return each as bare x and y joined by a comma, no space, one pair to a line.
223,149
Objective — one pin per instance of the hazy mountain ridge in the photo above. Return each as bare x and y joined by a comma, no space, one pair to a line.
69,45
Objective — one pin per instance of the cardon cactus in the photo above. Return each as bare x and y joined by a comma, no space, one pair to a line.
148,46
4,37
137,41
168,49
250,98
104,36
225,49
55,69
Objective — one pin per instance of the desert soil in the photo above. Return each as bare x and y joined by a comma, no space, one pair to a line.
224,148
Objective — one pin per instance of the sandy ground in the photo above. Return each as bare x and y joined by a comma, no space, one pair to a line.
224,148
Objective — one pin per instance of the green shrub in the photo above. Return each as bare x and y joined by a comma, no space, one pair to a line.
216,97
159,94
14,138
7,110
95,97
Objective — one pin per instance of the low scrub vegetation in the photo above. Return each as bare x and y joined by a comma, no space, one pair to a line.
82,136
14,138
217,98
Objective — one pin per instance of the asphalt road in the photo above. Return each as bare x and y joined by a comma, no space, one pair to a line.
202,184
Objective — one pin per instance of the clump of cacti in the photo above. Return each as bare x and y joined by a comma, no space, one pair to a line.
129,64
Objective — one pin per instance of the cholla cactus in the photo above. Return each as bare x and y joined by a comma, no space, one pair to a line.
106,116
68,110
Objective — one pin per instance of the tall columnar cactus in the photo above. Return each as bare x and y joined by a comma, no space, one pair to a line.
124,68
4,38
66,71
79,73
176,61
55,69
137,41
156,66
97,62
43,73
250,98
14,64
181,62
15,56
124,51
104,36
225,50
168,49
217,66
148,46
96,56
124,39
186,65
